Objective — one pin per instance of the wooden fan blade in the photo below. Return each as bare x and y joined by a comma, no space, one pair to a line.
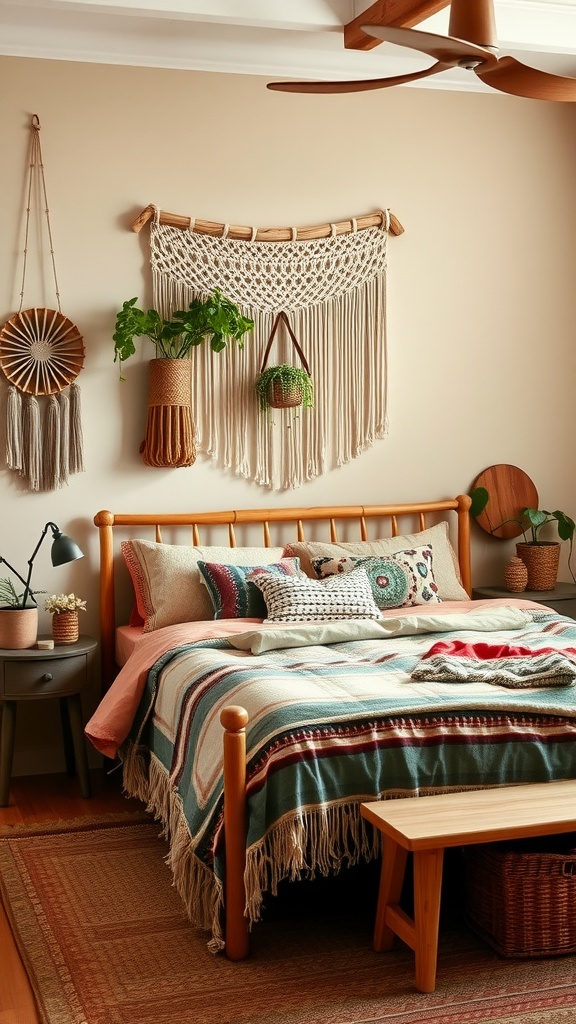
356,86
509,75
445,49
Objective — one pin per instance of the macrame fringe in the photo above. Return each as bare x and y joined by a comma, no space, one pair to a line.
334,292
320,840
51,466
14,429
32,444
44,437
76,446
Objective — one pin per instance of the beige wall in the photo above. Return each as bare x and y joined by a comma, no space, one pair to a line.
481,296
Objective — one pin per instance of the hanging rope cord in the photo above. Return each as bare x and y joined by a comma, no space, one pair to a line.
41,354
37,162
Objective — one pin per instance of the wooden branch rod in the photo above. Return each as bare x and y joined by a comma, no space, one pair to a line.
209,227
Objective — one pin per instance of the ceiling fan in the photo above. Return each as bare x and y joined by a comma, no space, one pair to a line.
471,44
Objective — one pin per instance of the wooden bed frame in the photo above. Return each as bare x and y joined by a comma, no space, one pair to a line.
390,520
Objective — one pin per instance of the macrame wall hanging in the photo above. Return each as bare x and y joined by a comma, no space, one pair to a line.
330,283
41,355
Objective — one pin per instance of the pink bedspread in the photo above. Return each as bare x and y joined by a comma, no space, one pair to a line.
111,722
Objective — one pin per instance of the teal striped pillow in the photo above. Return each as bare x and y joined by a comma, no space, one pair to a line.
233,595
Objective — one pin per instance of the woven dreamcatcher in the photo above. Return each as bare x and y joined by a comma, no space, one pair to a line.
41,355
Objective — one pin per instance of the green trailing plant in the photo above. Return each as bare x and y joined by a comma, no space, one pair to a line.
10,598
531,522
287,380
216,320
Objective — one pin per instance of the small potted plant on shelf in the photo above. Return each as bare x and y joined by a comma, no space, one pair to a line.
64,609
284,387
541,557
169,437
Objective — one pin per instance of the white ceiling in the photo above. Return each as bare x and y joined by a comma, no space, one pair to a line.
277,39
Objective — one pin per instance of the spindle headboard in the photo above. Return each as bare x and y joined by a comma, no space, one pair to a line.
389,520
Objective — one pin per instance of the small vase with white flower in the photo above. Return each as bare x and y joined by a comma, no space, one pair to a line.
64,609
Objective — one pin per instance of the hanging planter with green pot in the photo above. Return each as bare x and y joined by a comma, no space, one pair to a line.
284,386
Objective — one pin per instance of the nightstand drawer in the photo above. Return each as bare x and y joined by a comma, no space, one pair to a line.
40,678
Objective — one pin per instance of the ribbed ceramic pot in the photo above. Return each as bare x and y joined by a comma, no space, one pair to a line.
541,561
65,628
18,628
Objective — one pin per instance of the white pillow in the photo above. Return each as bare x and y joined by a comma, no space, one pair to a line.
300,599
446,572
167,581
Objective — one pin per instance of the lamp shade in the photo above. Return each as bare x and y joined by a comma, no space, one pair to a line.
64,549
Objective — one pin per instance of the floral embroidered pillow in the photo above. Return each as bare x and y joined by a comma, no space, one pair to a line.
390,580
404,578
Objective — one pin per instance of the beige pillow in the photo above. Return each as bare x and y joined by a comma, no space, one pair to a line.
167,581
446,573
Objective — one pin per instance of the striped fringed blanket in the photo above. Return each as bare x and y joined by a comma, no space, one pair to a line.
332,722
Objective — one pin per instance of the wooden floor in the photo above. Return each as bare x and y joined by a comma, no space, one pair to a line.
45,798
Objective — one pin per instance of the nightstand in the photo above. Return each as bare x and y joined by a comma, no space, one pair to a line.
43,675
562,599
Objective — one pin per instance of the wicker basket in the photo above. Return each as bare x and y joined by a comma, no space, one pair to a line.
65,627
521,898
541,560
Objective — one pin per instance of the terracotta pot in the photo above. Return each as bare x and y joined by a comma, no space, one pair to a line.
541,561
18,628
65,627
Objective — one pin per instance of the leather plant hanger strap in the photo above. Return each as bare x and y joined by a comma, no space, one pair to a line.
282,317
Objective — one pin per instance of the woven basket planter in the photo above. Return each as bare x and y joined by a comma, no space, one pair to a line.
65,628
541,561
169,439
18,628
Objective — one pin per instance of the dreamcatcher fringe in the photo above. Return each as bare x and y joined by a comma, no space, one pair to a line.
334,293
76,443
51,469
44,437
14,429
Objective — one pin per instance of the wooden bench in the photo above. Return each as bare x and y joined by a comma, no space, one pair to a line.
427,825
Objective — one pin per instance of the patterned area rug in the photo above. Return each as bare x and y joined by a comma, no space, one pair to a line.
102,934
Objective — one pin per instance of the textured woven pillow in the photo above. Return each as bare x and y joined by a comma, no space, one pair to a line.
167,582
300,599
233,595
391,581
446,572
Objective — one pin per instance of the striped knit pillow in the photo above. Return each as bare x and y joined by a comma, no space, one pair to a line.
300,599
233,595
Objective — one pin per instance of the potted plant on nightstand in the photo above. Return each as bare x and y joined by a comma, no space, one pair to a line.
169,437
18,620
541,557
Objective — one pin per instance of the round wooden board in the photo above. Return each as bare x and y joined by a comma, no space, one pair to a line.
511,490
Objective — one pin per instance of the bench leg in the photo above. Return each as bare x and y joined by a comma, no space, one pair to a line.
427,892
391,879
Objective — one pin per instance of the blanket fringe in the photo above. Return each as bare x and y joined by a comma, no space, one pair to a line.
318,840
201,892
